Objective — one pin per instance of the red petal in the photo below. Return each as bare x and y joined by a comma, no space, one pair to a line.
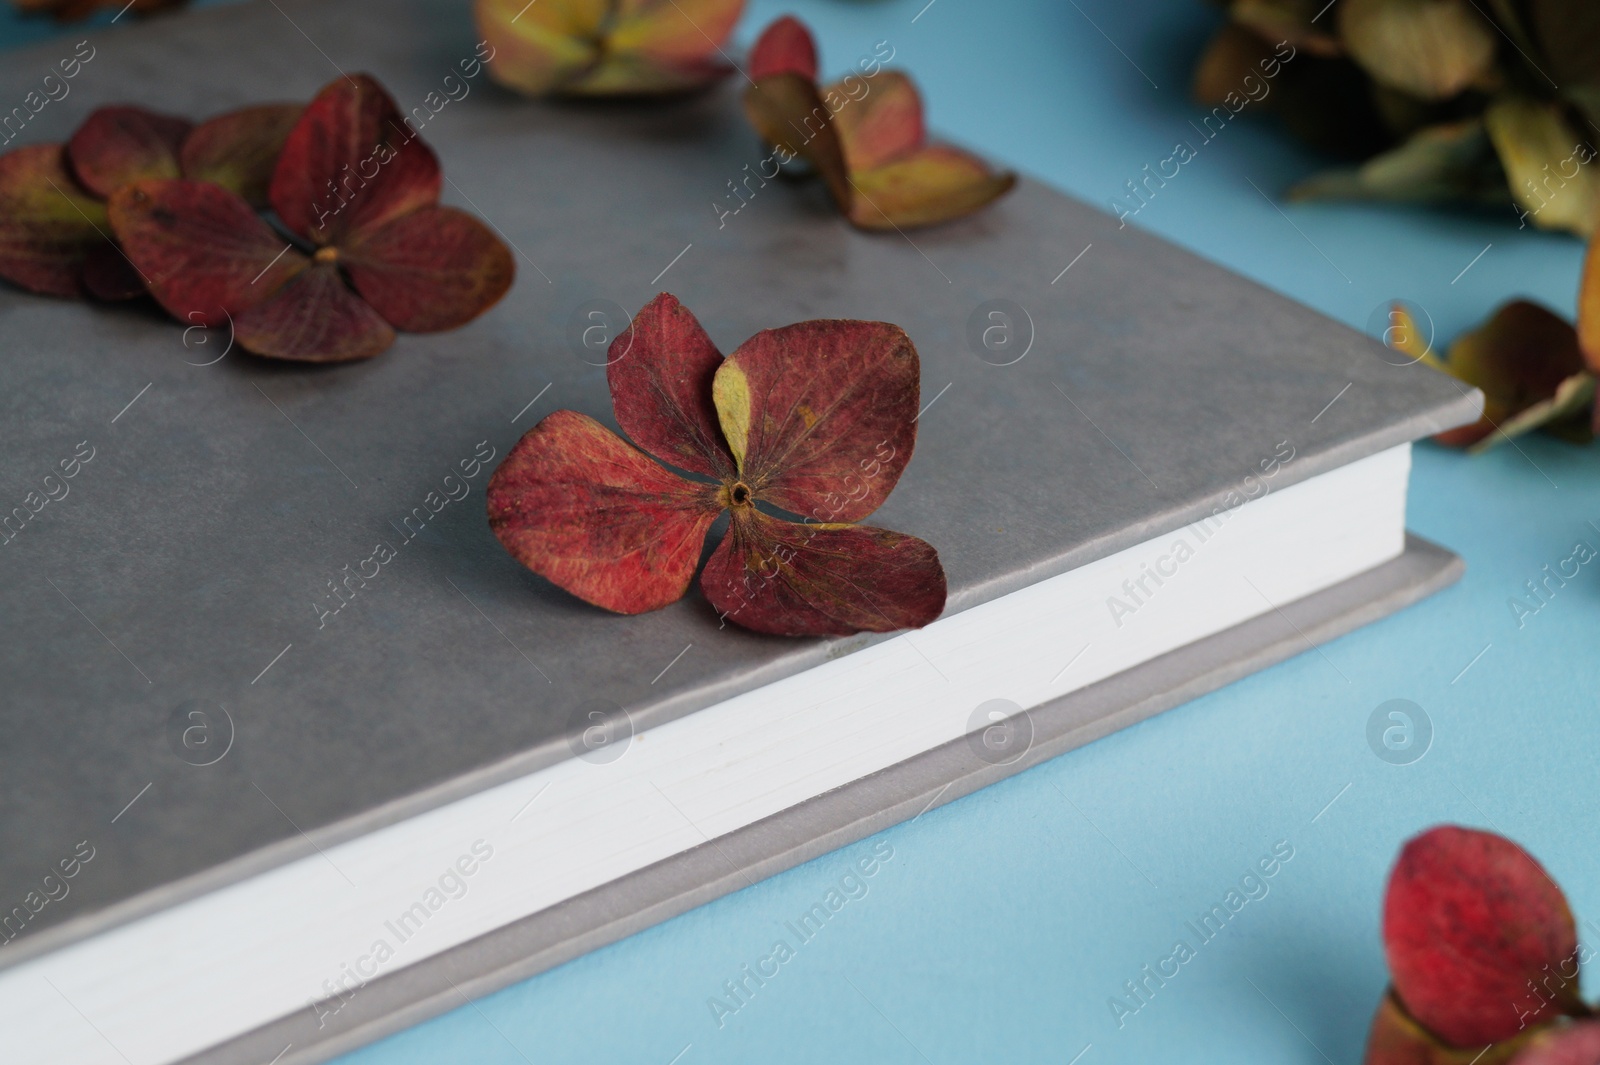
1472,925
48,224
119,145
788,579
577,505
660,371
240,149
821,415
1577,1045
351,163
435,268
785,47
315,317
882,125
203,252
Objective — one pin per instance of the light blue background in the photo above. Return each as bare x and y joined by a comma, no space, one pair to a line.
1006,921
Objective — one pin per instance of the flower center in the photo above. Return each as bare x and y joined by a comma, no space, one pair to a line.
739,494
326,255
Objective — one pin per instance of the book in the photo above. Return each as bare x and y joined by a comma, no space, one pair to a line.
291,735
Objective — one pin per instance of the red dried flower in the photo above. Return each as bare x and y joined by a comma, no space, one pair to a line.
368,248
816,419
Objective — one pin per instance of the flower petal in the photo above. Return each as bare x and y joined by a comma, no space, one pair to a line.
1432,49
789,114
788,579
821,416
1535,141
1471,926
203,252
674,35
351,163
48,224
541,46
883,125
435,268
660,371
1577,1045
314,317
239,150
580,507
119,145
937,184
1397,1039
785,47
1519,358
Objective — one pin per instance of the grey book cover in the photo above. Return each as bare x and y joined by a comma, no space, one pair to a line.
196,561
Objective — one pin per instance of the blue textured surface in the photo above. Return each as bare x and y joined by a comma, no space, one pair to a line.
1005,922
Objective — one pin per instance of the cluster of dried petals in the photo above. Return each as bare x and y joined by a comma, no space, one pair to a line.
356,245
863,135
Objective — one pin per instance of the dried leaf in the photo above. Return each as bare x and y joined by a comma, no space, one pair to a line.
117,146
581,508
239,150
1429,48
820,416
788,579
1546,163
1474,930
607,47
48,224
1448,163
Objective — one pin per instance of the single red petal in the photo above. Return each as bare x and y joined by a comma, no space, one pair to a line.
119,145
435,268
580,507
202,251
1472,926
660,370
879,119
239,150
351,163
109,276
314,317
1576,1045
48,223
785,47
821,416
788,579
